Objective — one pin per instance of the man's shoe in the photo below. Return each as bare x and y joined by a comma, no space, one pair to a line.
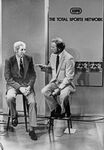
32,135
56,112
15,120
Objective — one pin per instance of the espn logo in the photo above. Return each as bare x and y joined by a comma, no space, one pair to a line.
76,10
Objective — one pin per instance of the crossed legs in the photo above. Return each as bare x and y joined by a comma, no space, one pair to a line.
52,102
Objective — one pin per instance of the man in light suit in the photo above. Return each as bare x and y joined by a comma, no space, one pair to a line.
20,77
62,79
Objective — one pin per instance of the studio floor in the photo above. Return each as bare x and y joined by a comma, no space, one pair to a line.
88,136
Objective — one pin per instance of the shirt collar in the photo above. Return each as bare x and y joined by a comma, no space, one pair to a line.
60,55
18,58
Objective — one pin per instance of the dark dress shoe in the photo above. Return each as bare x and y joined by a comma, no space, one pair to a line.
32,135
15,120
56,112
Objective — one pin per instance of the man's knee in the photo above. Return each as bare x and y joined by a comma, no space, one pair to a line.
11,95
10,98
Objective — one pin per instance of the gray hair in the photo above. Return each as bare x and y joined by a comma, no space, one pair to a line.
57,39
18,44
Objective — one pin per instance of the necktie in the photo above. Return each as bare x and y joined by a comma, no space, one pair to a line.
21,67
57,62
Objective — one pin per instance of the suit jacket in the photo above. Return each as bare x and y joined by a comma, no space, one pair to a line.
12,73
65,72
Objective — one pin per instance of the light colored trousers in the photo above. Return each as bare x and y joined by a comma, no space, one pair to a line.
51,101
11,101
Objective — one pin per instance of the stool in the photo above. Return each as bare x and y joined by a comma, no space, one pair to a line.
26,110
51,122
68,119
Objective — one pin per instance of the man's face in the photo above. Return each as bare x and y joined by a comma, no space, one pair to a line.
21,51
54,48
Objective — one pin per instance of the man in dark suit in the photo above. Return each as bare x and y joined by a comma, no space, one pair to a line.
20,77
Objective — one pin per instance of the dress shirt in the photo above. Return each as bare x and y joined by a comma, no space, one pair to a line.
18,61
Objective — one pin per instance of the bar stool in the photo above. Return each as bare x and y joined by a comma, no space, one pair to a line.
25,110
68,119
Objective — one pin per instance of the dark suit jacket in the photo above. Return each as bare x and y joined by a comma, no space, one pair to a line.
12,73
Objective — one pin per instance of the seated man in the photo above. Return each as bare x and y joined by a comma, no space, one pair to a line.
62,65
20,77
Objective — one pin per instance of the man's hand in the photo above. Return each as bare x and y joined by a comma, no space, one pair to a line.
44,68
28,90
56,92
22,90
25,90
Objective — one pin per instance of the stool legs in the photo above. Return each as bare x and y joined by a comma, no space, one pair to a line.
70,121
51,124
25,114
68,126
8,121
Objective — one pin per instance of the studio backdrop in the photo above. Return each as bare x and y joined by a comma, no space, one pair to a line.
80,24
